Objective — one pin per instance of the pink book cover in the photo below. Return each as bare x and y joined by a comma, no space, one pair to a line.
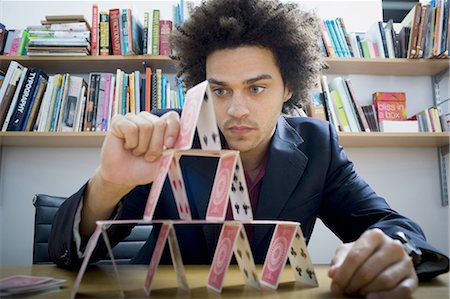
390,105
164,32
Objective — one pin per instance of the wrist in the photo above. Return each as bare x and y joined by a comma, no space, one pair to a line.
411,249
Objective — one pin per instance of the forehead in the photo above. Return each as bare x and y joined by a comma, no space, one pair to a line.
241,63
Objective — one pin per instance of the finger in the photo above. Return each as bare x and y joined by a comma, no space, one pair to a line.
173,128
361,250
123,128
390,278
405,289
390,253
144,122
156,145
339,257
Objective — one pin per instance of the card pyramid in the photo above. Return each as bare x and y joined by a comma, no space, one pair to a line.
229,186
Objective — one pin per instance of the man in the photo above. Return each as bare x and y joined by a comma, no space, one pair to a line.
259,57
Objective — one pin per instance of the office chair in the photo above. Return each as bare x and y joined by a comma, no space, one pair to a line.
46,207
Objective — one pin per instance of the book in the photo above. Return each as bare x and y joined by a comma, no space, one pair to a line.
114,28
10,88
329,103
359,112
25,98
390,105
68,110
104,33
34,109
399,126
155,32
412,20
339,85
95,31
341,115
165,28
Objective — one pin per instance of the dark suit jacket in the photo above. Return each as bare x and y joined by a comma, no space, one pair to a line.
308,176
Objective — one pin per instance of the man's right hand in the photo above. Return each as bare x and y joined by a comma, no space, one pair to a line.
133,147
129,157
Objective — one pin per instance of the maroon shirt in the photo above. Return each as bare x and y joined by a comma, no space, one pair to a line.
254,188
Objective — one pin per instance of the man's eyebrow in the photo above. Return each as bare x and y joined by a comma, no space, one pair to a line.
249,81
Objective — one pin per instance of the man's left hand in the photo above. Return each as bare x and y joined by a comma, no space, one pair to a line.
374,266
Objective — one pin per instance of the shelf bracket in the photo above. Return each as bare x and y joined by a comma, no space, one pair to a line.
443,151
444,158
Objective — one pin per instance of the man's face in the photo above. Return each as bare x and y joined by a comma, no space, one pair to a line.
248,94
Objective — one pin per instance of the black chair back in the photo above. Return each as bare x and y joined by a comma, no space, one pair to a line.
46,208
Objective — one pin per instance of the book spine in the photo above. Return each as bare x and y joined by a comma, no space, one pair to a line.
89,111
164,33
159,88
124,33
145,35
148,88
94,31
343,122
32,103
25,99
361,117
114,23
104,34
155,32
15,98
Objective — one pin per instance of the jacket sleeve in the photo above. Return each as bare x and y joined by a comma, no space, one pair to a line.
350,206
62,246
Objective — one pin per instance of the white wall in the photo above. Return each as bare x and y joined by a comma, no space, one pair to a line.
407,177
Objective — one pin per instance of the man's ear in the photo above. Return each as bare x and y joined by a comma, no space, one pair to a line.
287,93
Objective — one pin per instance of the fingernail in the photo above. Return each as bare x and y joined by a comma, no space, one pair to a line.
150,158
170,141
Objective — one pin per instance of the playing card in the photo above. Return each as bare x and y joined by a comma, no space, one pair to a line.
218,201
44,286
190,114
240,201
277,254
156,257
244,258
111,256
178,189
177,260
20,281
157,184
300,260
222,255
207,126
87,256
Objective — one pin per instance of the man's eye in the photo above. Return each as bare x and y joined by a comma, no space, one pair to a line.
256,89
220,92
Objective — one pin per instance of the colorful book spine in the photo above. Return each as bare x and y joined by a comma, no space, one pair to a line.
155,32
114,24
164,33
104,33
94,31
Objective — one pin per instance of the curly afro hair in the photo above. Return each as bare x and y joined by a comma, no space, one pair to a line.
290,33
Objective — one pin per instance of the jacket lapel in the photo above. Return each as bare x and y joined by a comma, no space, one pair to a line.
284,169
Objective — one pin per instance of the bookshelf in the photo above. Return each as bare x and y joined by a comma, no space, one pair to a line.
362,66
392,67
95,139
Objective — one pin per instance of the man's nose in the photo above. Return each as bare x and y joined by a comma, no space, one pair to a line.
238,106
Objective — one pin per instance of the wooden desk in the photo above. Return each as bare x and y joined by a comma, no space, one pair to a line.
100,281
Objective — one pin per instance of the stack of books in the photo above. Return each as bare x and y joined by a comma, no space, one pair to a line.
59,36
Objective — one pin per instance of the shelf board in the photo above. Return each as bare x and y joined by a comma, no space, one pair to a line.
95,139
86,64
391,67
379,139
